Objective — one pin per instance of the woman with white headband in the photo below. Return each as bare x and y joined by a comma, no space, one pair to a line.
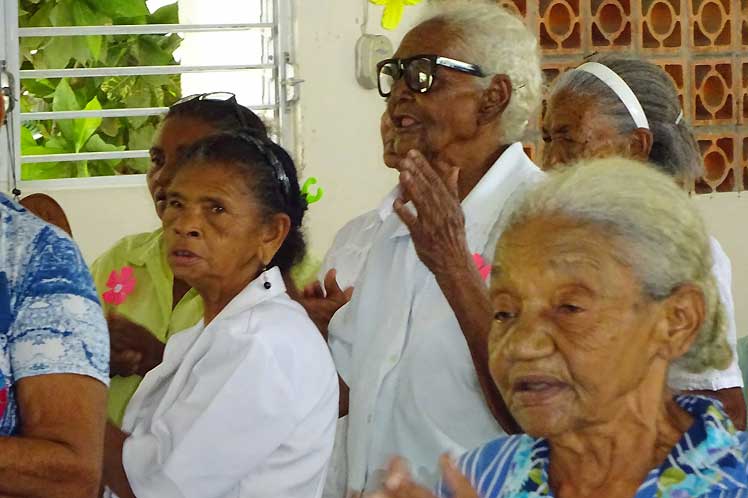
619,106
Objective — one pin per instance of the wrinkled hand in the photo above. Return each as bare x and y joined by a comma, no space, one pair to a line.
322,306
438,230
134,350
399,483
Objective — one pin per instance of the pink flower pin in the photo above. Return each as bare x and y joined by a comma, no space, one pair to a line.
483,268
120,284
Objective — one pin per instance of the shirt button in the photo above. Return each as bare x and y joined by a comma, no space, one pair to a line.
394,358
369,419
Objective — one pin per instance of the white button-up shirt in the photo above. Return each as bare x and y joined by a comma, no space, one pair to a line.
397,344
245,407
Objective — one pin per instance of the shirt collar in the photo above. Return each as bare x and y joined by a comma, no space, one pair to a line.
483,205
255,292
149,250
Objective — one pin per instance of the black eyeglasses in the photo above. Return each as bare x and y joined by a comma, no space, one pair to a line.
419,72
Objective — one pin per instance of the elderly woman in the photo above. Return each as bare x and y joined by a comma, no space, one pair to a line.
159,305
245,402
460,90
629,107
596,291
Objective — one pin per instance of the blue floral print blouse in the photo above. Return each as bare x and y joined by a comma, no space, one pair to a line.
709,461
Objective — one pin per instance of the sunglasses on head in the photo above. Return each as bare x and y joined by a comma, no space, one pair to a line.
247,134
419,72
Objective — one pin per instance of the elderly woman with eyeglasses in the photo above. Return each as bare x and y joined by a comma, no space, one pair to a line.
460,90
155,305
597,290
244,403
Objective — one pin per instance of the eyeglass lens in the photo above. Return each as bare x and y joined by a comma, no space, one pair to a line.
419,75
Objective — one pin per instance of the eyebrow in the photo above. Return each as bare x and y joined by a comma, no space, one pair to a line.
561,129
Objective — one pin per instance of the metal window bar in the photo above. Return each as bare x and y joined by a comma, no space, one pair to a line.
281,46
136,29
131,112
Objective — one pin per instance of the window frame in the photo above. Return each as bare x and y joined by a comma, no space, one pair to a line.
286,89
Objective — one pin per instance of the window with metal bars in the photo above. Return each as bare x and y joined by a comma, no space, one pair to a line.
87,97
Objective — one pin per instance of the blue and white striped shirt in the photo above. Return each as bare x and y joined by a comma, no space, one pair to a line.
709,461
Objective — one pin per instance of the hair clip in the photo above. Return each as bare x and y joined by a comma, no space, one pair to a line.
312,198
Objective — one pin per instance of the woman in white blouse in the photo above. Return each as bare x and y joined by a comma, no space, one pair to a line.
244,403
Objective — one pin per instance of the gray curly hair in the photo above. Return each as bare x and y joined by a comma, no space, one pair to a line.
663,237
500,43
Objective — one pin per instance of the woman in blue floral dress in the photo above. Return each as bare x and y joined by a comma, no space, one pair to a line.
597,290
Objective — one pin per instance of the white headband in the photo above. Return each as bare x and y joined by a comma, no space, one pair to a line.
620,88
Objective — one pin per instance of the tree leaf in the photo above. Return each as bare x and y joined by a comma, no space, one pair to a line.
97,144
84,128
64,100
168,14
110,126
27,139
57,54
62,14
123,8
46,171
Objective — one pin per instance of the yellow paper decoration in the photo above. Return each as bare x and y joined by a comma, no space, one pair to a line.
393,11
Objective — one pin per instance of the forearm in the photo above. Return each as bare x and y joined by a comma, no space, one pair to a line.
467,295
33,467
115,477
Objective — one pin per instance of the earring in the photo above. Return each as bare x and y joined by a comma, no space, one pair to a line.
267,284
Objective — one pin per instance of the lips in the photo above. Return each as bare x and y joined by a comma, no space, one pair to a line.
404,121
533,390
183,257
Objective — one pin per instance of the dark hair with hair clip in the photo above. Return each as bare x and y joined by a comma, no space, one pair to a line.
223,115
257,158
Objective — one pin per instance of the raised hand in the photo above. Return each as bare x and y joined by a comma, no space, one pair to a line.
438,230
399,483
321,305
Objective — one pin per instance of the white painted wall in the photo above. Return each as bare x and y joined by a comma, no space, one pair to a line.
339,142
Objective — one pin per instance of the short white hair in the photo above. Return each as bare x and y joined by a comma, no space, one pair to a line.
662,236
500,43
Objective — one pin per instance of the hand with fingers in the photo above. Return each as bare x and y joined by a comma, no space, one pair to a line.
134,350
321,304
399,483
438,229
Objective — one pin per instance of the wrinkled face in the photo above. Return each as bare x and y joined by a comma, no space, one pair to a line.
447,115
175,135
387,130
573,333
574,128
213,227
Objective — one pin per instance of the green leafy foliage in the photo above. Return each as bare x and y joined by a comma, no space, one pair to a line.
93,134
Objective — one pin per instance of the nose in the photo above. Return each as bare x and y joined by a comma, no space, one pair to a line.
400,92
530,338
188,224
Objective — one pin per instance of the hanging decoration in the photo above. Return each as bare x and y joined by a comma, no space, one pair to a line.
393,11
